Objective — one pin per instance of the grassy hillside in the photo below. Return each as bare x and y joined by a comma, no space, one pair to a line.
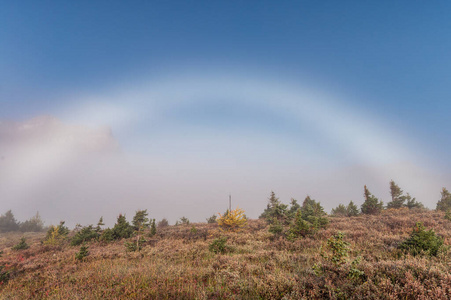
177,263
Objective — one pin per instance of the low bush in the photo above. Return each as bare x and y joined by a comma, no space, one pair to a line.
87,233
232,220
82,253
422,241
218,245
336,249
22,245
107,235
448,215
182,221
56,234
134,246
4,275
212,219
276,227
163,223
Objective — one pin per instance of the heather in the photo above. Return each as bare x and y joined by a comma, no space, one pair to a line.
350,258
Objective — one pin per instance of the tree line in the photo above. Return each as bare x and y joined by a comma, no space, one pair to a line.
9,223
310,214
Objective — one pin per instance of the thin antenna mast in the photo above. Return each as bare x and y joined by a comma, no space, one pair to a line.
230,202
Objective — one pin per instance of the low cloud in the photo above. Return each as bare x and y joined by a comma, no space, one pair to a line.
77,174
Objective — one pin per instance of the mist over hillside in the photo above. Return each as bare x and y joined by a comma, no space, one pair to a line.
77,174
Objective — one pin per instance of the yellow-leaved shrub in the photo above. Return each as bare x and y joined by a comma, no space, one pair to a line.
232,220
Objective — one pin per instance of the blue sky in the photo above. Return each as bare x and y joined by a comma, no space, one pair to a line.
127,64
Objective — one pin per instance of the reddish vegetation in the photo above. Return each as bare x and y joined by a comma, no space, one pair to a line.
176,264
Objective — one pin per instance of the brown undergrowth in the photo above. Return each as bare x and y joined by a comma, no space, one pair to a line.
176,264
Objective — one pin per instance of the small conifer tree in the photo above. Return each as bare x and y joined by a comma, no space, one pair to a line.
163,223
336,249
274,210
412,202
184,221
372,205
85,234
99,225
313,212
299,227
56,234
8,222
339,211
153,228
448,215
22,245
422,241
212,219
122,229
294,207
397,198
445,201
82,253
352,209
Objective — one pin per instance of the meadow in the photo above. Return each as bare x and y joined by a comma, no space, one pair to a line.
201,261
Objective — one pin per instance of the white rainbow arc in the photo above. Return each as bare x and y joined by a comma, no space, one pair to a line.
347,129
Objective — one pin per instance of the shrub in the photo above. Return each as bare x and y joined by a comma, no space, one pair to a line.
193,229
4,275
56,234
422,241
22,245
233,220
107,235
82,253
134,246
163,223
212,219
218,245
448,215
276,228
299,227
336,249
183,221
87,233
130,247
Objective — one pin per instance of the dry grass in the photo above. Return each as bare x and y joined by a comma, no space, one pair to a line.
176,264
